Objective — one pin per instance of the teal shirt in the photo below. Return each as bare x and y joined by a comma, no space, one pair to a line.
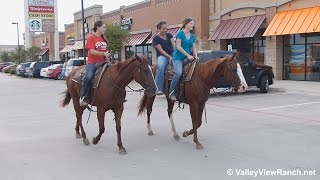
186,44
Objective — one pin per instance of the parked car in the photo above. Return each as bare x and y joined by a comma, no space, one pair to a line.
9,68
44,71
260,76
72,64
35,67
21,69
54,71
5,64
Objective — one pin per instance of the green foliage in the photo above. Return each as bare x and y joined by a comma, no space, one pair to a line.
12,71
32,53
5,56
116,37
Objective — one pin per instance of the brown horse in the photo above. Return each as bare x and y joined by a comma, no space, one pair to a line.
197,91
110,94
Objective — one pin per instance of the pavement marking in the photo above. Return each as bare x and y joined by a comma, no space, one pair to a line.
250,96
266,113
278,107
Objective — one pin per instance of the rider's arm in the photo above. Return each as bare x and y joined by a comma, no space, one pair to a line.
178,41
159,48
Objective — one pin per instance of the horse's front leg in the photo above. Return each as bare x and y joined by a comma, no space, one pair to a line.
150,101
170,111
194,111
101,113
118,115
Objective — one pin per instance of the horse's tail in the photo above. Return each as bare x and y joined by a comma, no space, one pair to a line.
66,99
142,104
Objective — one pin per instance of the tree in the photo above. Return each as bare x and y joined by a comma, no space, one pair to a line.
116,38
5,56
32,53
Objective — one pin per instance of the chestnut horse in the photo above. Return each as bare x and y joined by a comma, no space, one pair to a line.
110,94
197,91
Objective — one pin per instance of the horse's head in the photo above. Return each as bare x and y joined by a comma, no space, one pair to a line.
143,75
233,74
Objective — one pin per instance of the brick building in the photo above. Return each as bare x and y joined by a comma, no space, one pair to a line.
45,41
284,34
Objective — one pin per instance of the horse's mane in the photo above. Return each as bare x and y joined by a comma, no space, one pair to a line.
120,66
209,67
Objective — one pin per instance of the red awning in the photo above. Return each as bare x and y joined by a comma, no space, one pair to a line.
67,48
78,45
237,28
42,52
137,39
173,31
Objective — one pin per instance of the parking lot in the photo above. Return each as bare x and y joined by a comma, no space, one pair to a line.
277,130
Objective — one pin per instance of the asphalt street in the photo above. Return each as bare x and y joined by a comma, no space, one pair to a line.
244,133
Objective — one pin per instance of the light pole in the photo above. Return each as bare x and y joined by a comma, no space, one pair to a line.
83,33
18,39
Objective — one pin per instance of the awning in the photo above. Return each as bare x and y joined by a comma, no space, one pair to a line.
294,22
77,45
173,31
137,39
42,52
67,48
237,28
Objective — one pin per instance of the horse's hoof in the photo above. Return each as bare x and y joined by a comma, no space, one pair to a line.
94,141
150,133
199,147
86,142
123,151
176,137
185,134
78,136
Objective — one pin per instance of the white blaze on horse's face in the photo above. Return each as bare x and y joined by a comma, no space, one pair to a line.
243,86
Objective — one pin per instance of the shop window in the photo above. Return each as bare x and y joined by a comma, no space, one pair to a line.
144,50
313,38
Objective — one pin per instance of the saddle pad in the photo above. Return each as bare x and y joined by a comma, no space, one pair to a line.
79,76
187,73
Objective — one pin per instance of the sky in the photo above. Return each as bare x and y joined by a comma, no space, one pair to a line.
13,11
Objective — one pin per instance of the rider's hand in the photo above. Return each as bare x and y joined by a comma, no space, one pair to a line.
191,58
106,54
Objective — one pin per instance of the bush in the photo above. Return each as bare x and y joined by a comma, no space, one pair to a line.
12,71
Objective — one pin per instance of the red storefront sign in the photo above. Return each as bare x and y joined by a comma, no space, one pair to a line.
45,9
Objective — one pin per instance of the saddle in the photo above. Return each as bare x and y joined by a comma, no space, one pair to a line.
78,77
188,69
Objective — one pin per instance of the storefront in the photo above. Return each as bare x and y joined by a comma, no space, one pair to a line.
243,35
141,19
299,30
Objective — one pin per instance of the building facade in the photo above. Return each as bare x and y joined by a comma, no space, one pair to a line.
281,33
284,34
45,41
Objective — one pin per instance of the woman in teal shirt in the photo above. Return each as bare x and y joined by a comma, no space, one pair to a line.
185,46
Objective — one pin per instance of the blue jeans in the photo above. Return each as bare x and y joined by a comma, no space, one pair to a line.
161,67
88,78
178,67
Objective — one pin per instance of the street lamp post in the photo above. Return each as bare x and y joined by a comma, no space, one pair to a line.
83,33
18,39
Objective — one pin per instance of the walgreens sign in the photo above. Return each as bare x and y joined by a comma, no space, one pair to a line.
45,9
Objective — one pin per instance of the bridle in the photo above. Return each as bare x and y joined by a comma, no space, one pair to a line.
139,69
234,82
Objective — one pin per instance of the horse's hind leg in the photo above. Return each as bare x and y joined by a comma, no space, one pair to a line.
150,101
101,115
118,114
170,111
79,111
